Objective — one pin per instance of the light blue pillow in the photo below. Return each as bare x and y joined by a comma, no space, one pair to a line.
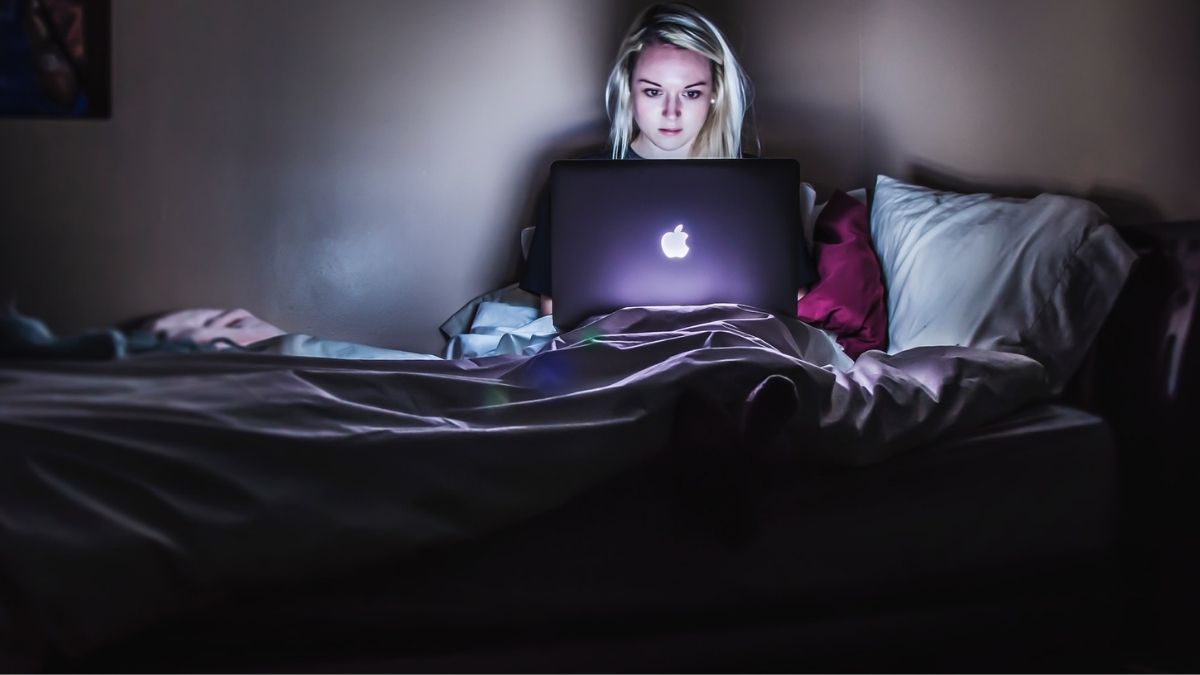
1034,277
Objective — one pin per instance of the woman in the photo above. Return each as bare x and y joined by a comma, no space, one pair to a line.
676,91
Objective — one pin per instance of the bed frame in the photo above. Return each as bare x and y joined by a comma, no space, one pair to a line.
1143,377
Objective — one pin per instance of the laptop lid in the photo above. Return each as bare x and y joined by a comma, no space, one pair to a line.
672,232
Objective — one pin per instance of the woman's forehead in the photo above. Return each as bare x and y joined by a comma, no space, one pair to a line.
668,63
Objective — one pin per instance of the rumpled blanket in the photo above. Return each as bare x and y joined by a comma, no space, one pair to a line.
132,491
504,321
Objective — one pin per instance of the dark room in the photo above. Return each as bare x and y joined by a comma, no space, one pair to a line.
866,339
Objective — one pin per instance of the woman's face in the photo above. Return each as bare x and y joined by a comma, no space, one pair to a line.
671,91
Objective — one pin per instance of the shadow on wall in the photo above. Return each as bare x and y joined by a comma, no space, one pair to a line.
821,138
566,143
882,155
1122,207
569,141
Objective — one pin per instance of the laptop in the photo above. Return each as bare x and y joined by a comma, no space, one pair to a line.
673,232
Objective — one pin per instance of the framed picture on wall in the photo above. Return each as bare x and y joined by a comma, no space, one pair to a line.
55,58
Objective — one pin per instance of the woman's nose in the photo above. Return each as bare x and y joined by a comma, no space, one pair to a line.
670,107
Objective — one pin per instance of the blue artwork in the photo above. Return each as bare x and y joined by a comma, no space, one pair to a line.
54,58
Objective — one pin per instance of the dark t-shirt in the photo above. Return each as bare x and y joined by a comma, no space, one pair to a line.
536,278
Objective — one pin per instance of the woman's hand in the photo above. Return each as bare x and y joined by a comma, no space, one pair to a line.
547,305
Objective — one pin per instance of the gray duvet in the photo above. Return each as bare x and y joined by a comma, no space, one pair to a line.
131,491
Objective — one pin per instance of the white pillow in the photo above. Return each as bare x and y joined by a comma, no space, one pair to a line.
1034,277
810,209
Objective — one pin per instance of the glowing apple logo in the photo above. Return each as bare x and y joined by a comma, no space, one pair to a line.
674,244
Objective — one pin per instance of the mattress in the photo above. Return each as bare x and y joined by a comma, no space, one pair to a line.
951,533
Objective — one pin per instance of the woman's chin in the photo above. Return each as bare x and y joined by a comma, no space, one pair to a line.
668,145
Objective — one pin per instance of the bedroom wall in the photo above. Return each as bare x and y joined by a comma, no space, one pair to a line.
1097,98
352,170
359,170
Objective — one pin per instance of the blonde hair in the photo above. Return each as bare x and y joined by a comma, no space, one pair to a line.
682,26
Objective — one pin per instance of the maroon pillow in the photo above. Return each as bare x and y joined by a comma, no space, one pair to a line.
848,299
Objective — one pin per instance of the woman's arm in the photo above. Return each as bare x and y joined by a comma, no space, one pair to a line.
801,292
547,305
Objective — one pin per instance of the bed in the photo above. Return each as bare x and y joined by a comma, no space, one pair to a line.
626,576
705,488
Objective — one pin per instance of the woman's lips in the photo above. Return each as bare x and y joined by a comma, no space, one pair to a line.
670,132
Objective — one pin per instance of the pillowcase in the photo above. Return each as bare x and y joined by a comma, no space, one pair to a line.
1034,277
848,298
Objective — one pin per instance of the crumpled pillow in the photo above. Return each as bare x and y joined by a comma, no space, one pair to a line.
1028,276
848,300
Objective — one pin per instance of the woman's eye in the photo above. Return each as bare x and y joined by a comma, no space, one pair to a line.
692,94
651,92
